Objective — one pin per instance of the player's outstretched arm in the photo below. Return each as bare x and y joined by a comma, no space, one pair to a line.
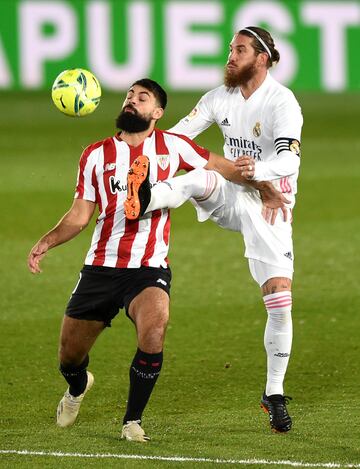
226,168
70,225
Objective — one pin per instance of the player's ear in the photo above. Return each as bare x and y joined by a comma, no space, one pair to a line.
263,58
158,113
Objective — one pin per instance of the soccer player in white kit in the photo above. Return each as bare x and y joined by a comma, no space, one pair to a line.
261,123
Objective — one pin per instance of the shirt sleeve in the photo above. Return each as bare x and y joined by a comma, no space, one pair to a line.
191,155
198,120
86,179
287,123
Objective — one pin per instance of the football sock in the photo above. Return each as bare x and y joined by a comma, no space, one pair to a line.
144,372
277,339
76,377
171,193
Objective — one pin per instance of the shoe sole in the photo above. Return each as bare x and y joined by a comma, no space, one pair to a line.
140,439
137,174
274,430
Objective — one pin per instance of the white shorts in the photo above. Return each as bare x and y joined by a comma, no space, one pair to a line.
234,209
261,272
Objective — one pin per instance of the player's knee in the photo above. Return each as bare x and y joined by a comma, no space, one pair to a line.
151,336
276,285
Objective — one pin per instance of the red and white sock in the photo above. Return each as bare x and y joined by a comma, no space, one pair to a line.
277,339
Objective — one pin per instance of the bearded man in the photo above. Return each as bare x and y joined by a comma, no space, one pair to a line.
126,265
261,123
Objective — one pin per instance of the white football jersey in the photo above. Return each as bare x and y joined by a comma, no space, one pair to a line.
266,126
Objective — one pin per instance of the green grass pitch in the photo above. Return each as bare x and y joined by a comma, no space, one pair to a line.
200,408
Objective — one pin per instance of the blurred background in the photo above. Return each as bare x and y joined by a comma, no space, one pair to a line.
217,312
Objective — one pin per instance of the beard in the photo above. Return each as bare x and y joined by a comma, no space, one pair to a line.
234,78
132,122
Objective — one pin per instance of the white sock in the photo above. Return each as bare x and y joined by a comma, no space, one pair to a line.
171,193
277,339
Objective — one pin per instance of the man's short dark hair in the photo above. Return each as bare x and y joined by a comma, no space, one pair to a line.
266,37
155,88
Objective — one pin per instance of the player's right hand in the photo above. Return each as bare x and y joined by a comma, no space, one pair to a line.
35,256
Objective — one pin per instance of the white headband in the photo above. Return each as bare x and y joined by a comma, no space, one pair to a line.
259,39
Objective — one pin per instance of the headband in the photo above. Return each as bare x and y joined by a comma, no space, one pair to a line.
262,42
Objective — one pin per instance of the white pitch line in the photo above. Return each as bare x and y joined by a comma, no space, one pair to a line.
59,454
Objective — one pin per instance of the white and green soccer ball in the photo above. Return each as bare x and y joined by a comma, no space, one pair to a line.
76,92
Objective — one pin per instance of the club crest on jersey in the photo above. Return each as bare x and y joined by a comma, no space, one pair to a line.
295,147
257,130
163,161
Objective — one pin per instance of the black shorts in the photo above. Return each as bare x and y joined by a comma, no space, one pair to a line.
102,291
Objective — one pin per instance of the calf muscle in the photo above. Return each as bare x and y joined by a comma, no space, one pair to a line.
77,336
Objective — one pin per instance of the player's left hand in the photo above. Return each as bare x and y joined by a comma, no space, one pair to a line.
36,255
246,165
273,200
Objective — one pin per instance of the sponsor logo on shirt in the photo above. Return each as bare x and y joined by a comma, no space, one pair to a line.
241,146
225,122
288,255
163,161
110,167
116,185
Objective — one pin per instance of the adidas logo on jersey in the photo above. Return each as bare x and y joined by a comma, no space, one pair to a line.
225,122
288,255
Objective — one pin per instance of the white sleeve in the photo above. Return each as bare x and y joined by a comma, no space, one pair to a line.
198,120
85,180
286,165
191,155
287,122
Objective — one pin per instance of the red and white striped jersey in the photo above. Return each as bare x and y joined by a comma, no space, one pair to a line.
102,178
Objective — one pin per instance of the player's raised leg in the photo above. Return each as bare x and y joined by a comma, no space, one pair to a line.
199,184
76,339
150,312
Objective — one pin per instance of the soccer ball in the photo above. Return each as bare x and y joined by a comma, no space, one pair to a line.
76,92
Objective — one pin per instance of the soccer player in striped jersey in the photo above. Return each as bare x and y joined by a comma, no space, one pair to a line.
261,123
126,265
